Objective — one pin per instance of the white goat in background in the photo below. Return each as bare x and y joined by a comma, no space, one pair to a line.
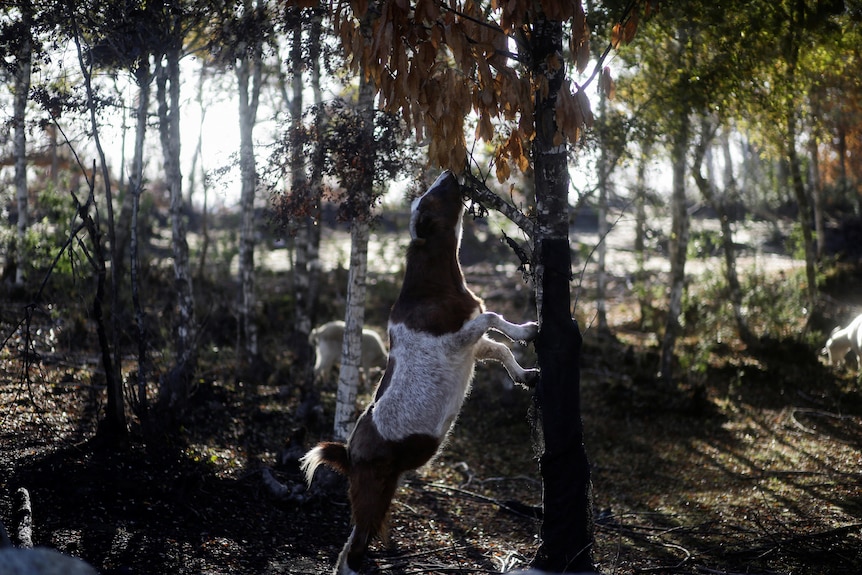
843,340
327,341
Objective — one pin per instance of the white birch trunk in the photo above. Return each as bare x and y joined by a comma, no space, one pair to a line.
354,317
677,247
249,73
176,383
19,142
640,228
316,184
136,183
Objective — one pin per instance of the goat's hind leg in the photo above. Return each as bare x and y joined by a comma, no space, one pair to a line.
371,494
488,349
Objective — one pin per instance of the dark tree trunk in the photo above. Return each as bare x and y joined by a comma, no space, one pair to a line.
567,529
804,209
112,428
302,323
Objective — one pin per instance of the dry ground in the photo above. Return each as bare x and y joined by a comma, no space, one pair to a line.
751,464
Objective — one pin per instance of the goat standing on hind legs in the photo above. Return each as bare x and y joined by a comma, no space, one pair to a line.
437,330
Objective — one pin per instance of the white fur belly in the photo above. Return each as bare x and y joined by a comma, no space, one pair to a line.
428,386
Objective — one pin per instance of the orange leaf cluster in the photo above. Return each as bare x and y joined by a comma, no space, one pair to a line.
624,32
573,112
514,149
439,60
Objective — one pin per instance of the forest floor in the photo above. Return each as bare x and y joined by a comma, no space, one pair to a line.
750,463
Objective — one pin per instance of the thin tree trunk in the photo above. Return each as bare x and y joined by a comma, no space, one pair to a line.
640,229
793,46
113,427
136,185
816,193
249,73
677,246
804,209
175,386
19,138
602,248
354,317
841,152
196,168
124,221
719,204
304,357
316,184
731,195
567,528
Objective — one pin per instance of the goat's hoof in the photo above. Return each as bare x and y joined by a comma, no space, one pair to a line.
531,331
530,378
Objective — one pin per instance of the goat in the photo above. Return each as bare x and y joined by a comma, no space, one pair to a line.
842,340
437,330
327,340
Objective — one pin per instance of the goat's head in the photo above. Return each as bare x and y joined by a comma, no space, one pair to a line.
438,212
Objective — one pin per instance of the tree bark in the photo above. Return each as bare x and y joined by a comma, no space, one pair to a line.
640,229
719,204
175,386
804,209
354,317
24,63
304,356
113,427
136,185
199,168
249,71
816,193
312,222
602,248
567,529
793,45
677,245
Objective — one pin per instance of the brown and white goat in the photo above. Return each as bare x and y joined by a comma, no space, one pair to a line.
437,330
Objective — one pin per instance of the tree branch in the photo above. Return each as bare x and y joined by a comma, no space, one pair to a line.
476,189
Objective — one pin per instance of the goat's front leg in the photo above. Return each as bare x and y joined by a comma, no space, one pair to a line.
488,349
474,329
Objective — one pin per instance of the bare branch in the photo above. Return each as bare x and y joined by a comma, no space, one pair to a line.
476,189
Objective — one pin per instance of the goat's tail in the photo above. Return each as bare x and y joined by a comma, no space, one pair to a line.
330,453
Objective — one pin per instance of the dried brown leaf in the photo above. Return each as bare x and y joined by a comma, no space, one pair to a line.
606,84
616,35
631,27
502,169
583,52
